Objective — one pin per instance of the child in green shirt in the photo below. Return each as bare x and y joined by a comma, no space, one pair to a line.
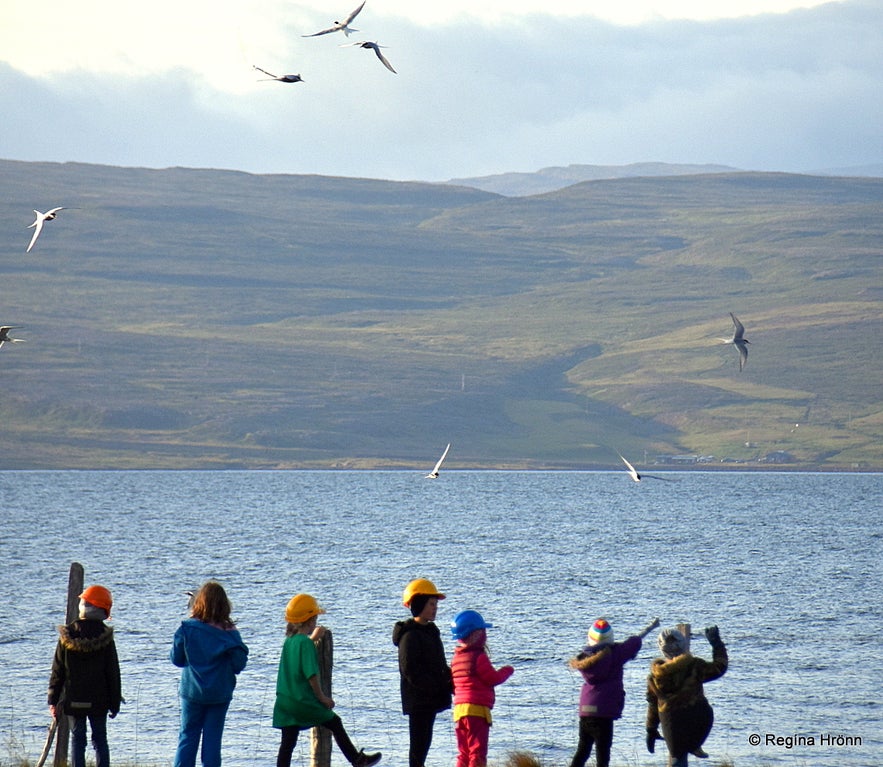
300,701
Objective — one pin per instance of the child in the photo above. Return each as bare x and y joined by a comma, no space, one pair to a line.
210,650
675,697
300,702
86,676
425,677
602,696
474,682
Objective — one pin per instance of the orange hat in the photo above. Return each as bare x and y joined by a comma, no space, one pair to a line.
98,596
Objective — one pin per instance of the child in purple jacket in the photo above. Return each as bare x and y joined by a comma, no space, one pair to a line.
602,696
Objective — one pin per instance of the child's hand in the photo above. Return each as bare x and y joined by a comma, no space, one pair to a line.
326,701
317,634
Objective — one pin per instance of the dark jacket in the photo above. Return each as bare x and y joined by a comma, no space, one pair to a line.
85,673
423,667
675,698
603,694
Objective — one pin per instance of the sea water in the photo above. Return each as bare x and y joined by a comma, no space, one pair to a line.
787,565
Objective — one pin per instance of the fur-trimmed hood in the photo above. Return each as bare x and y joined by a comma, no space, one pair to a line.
85,636
677,683
590,657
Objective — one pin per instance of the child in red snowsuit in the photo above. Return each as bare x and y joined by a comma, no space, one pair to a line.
474,682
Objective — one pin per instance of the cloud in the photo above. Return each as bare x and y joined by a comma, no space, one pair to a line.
772,92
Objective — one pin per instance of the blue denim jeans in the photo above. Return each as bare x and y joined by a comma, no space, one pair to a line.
98,725
200,720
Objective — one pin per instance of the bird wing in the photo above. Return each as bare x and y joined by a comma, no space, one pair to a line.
38,227
739,328
264,71
743,354
335,28
354,13
632,470
53,211
383,59
444,455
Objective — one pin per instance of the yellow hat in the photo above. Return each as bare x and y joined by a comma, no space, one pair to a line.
301,608
420,586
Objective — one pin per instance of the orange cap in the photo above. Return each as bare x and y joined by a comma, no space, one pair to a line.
98,596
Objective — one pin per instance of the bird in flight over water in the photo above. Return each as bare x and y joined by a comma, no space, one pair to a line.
633,472
739,341
340,26
4,335
376,48
280,78
434,473
40,219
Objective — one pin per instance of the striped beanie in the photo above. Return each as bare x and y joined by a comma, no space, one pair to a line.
600,633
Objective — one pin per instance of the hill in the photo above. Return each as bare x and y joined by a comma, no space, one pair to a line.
558,177
203,318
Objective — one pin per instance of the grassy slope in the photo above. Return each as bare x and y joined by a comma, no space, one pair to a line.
208,318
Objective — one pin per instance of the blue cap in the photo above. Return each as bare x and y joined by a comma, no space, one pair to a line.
466,622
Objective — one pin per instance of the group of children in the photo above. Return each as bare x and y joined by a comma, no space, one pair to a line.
85,681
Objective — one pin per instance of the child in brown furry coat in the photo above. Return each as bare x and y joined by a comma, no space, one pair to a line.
675,696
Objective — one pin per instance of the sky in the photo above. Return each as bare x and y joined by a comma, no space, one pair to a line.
776,85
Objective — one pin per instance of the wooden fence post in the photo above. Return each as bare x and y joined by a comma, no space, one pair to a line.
320,737
75,584
684,628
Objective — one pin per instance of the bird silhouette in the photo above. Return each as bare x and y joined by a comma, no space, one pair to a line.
633,472
280,78
739,341
374,47
434,473
340,26
4,335
40,219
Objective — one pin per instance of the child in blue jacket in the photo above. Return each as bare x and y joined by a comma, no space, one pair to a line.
602,696
210,650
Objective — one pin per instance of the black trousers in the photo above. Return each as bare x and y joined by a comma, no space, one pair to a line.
289,741
420,724
594,731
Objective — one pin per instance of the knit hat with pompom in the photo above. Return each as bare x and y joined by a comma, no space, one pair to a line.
600,633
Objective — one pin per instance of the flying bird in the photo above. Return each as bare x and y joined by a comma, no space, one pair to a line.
376,48
739,341
4,335
633,472
340,26
280,78
434,473
40,219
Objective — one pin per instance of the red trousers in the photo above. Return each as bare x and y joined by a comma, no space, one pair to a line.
472,739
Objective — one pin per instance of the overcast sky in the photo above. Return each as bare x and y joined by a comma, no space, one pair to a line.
517,86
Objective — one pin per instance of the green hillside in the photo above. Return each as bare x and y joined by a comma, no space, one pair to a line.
200,318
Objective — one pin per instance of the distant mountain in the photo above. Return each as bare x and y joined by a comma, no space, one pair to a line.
550,179
187,318
864,171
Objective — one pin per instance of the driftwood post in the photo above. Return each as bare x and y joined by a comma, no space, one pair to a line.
320,738
74,589
684,628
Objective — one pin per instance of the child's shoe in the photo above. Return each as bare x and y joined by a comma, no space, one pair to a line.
367,760
699,753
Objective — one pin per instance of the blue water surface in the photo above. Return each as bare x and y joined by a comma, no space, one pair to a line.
787,565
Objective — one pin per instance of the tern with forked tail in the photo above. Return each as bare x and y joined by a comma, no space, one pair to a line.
373,47
280,78
340,26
